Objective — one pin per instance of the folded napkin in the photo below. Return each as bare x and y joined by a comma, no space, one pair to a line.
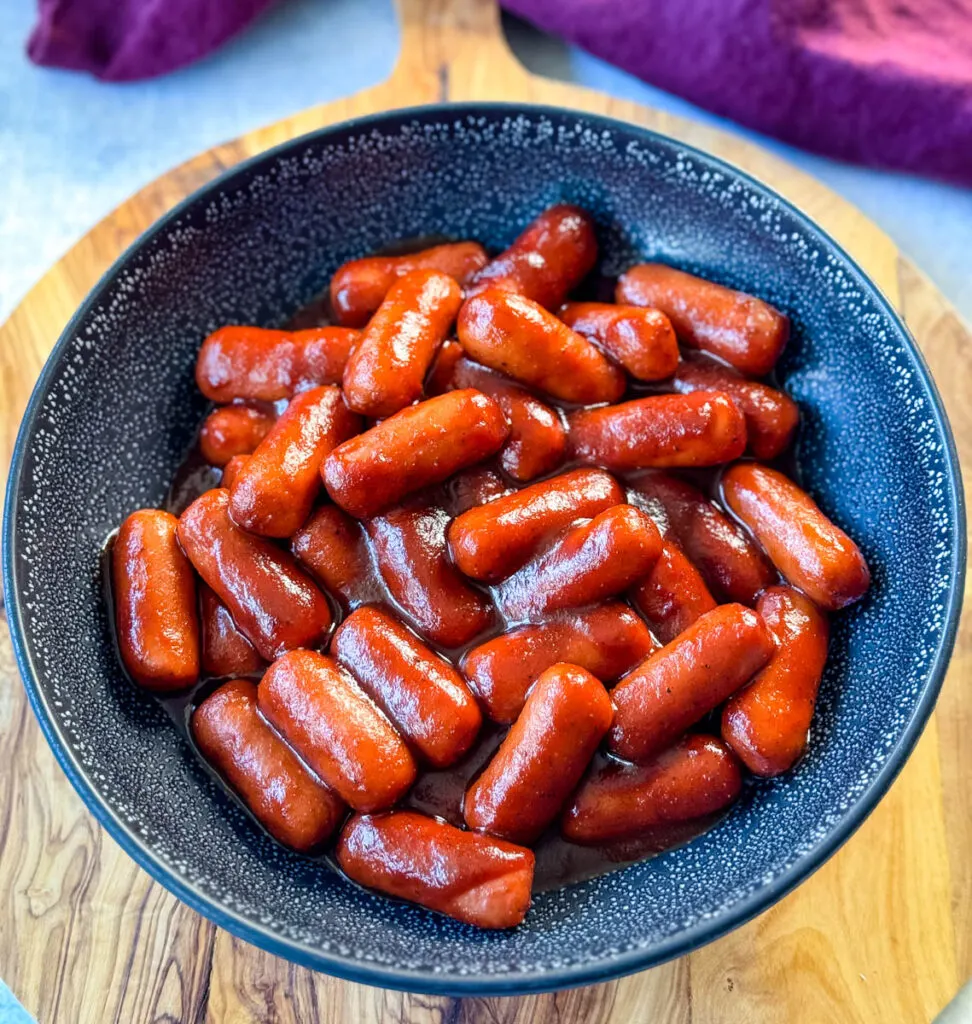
880,82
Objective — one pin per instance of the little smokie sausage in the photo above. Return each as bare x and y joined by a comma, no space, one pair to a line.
387,368
423,695
732,566
156,623
233,430
543,756
273,493
743,330
358,288
439,380
537,437
337,729
225,650
673,595
809,550
476,879
474,487
413,559
283,796
232,470
592,561
771,416
606,640
693,779
493,541
264,365
674,687
518,337
274,604
332,546
766,724
418,446
550,258
642,340
703,429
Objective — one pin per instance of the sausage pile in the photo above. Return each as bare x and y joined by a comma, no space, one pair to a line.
473,475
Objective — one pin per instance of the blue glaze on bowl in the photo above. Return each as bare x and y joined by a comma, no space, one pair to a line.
116,407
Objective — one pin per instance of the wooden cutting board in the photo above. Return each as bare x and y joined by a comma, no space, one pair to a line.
883,932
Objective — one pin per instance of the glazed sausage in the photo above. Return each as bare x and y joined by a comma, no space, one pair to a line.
537,437
809,550
263,365
474,878
439,380
771,416
273,493
550,258
358,288
592,561
518,337
336,728
766,724
332,546
232,470
673,595
225,650
412,555
662,430
419,446
674,687
422,694
273,603
156,623
233,430
494,540
693,779
745,331
642,340
474,487
732,566
387,368
606,640
543,756
283,796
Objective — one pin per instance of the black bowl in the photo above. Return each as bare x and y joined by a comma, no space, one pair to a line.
116,407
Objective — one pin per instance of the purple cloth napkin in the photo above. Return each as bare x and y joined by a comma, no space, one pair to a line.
881,82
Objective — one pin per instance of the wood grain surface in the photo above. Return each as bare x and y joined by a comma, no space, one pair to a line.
883,932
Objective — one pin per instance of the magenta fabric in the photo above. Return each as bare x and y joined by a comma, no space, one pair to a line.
880,82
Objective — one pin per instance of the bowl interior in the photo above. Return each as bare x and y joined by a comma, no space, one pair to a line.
117,407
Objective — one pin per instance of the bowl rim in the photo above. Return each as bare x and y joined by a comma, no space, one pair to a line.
421,980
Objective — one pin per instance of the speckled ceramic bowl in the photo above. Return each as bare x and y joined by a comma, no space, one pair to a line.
116,407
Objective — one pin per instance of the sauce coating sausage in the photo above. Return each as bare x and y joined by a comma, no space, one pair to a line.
225,650
259,364
492,541
510,333
156,623
419,446
474,878
283,796
662,430
674,687
766,723
273,603
607,640
542,757
813,553
387,368
358,288
337,729
423,695
745,331
673,595
642,340
233,430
